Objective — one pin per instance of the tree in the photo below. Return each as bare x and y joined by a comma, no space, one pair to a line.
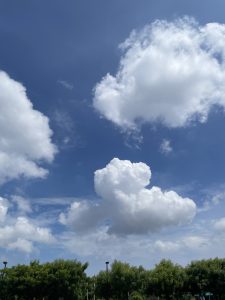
61,278
167,280
207,276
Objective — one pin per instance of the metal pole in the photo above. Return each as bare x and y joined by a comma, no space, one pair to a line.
107,267
107,274
5,264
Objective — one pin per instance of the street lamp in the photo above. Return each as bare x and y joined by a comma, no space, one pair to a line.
107,274
3,273
107,266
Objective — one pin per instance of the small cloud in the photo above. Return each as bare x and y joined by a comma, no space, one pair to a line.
216,199
23,204
67,85
66,135
219,225
195,242
165,147
21,245
63,120
133,139
4,205
166,246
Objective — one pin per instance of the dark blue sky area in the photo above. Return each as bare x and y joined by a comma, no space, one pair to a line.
44,42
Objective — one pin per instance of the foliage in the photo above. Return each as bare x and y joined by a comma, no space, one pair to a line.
67,280
51,280
167,280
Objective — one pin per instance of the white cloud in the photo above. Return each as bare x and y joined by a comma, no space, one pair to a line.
170,72
3,209
165,147
195,242
183,243
81,216
126,205
21,245
121,175
166,246
25,136
217,198
180,245
104,246
23,204
19,232
220,224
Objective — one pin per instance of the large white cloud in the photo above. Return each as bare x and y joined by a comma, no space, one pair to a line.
127,206
25,136
170,72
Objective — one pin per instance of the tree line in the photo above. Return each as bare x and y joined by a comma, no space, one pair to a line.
67,280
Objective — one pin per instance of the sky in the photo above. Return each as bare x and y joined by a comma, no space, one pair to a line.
111,131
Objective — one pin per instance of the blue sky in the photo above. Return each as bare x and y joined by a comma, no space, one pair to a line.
111,130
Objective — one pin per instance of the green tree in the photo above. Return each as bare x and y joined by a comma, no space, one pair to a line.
207,276
61,278
167,280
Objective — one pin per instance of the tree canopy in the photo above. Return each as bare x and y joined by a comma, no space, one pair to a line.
67,280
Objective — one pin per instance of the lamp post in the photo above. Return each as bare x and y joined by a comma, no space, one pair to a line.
107,267
107,278
3,274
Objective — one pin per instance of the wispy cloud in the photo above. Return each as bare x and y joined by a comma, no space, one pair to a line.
165,147
67,85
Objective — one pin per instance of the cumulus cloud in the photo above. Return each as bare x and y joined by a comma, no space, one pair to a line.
170,72
25,136
127,205
23,229
20,232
